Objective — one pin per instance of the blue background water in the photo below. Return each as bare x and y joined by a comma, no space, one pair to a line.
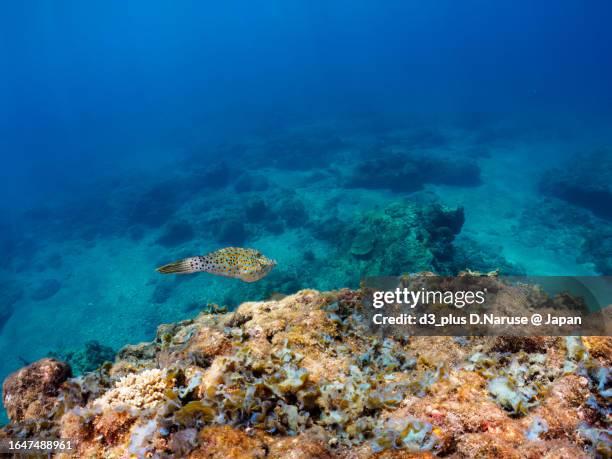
114,119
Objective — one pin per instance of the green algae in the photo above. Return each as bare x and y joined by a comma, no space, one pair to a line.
277,395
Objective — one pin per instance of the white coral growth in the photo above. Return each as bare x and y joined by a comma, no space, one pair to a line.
138,390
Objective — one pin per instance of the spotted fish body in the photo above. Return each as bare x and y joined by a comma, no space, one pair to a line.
248,265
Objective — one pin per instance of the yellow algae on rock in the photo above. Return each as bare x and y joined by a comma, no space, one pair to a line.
599,347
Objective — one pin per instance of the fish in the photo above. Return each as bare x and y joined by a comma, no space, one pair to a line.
248,265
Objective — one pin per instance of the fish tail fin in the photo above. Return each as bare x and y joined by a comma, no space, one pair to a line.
184,266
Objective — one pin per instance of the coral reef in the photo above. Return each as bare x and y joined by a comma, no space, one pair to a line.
410,172
301,150
299,376
142,391
323,198
592,239
597,248
232,232
214,176
402,237
154,207
584,182
257,211
176,233
163,291
89,358
293,211
31,392
251,182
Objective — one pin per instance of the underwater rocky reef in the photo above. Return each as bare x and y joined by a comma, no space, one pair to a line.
584,181
300,376
332,201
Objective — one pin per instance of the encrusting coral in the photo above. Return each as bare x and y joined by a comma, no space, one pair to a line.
300,377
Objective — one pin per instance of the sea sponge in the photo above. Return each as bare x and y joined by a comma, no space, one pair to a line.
144,390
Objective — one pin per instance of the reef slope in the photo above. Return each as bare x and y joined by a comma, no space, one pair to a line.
299,377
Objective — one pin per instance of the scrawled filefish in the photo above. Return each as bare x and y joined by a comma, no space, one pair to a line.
248,265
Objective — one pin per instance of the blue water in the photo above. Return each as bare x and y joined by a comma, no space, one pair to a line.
132,134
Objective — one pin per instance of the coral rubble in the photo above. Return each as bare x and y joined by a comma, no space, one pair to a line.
299,376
